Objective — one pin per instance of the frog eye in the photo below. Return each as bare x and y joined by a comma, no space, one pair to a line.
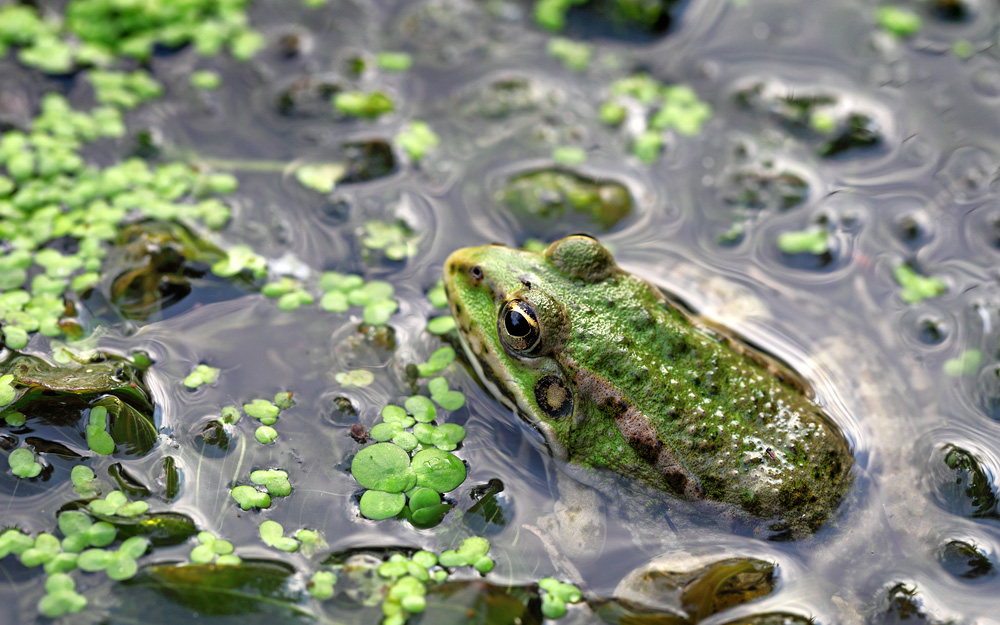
517,325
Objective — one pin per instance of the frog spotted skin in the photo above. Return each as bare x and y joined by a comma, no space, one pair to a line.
616,377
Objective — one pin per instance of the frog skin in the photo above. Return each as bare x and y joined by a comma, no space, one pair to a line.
615,376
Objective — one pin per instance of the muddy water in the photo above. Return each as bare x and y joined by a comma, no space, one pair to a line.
919,186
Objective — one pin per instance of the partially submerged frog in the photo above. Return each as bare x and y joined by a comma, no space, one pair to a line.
617,377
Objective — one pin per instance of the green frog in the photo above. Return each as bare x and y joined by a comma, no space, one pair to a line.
618,377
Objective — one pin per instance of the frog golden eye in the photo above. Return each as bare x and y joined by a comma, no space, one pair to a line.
517,325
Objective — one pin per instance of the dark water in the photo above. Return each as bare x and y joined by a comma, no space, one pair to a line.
925,190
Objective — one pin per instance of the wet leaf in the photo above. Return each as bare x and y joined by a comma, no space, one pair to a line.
212,589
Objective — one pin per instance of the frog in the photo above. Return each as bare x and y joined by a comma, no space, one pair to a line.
618,377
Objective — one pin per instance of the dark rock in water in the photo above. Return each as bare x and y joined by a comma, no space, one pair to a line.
554,195
667,591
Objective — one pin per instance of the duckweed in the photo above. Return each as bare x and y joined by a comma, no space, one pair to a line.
441,325
442,396
355,377
274,480
439,470
394,61
397,240
205,79
573,54
361,104
84,481
343,291
60,597
569,155
437,296
557,595
262,410
265,434
211,548
417,139
22,463
273,535
249,497
378,505
321,177
811,240
916,287
117,504
667,107
201,375
966,363
321,584
898,21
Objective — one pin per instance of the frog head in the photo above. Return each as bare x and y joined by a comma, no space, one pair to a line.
514,310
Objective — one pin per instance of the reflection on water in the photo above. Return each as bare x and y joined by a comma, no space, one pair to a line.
820,119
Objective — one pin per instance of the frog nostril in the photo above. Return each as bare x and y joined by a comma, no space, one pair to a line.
476,272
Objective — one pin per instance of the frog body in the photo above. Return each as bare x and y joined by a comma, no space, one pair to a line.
617,377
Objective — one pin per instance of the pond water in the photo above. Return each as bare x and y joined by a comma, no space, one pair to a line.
823,119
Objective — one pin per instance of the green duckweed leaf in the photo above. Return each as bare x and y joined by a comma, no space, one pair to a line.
333,281
249,497
396,415
438,469
916,287
377,313
93,560
812,240
385,431
382,466
74,522
230,415
447,399
14,541
202,374
272,534
440,359
263,410
360,104
98,439
417,139
355,377
421,408
22,463
437,296
321,177
334,301
438,326
966,363
7,392
283,400
377,504
321,584
265,434
900,22
275,481
405,440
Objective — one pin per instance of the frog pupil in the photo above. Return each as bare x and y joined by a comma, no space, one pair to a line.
516,324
